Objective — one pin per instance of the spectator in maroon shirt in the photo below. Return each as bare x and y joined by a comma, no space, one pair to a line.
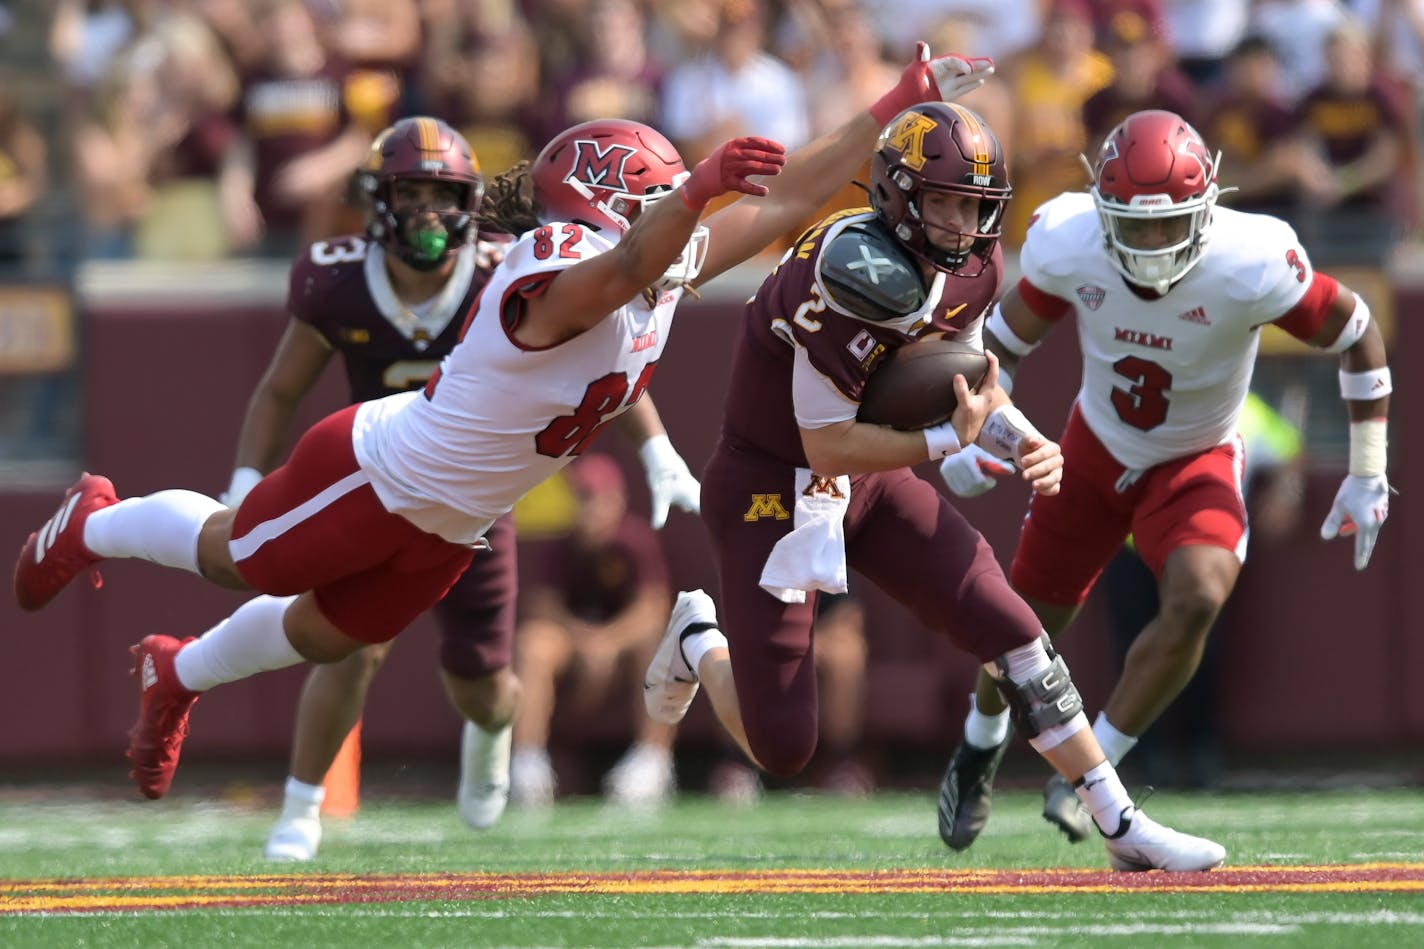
591,617
282,182
1108,14
23,176
481,74
1144,77
1354,125
1255,130
615,77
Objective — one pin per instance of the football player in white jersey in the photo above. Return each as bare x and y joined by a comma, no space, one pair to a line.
1170,294
391,302
381,506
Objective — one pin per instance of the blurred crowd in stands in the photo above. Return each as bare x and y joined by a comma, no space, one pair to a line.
204,129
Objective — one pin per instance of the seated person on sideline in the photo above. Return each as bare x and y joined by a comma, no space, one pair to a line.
591,618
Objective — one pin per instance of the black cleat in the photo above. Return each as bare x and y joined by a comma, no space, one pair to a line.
1062,809
966,792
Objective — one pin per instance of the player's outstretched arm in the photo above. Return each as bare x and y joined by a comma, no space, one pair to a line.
817,170
583,294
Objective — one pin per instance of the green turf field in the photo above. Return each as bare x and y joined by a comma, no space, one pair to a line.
1322,869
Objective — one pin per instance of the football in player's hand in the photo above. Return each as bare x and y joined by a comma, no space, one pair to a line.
913,387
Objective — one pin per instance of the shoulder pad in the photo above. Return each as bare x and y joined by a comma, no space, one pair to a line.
867,274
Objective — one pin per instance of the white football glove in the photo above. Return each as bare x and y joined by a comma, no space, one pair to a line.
1360,508
972,471
243,481
956,75
669,480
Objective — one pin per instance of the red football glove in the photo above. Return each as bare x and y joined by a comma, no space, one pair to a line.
943,79
729,167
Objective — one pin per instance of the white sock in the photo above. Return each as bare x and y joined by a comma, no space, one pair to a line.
1101,792
250,641
162,528
302,799
699,644
1115,744
985,731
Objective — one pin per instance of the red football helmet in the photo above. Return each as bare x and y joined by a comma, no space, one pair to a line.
1154,184
601,173
939,146
421,149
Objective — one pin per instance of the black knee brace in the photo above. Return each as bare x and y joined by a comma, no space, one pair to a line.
1046,700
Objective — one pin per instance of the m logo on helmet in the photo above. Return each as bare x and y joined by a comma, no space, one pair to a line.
595,167
908,138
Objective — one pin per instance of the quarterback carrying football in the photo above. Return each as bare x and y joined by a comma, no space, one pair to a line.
925,259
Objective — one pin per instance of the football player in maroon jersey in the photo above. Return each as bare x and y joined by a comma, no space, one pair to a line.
381,506
924,260
391,301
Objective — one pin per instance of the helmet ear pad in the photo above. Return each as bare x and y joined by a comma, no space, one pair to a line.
421,148
939,147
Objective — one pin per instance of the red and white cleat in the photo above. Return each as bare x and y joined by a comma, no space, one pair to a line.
156,739
55,554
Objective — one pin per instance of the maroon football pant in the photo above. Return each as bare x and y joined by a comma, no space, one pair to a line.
901,534
477,616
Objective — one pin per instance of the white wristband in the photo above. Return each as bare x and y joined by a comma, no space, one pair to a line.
1006,336
1004,430
941,440
1354,327
1369,447
1366,386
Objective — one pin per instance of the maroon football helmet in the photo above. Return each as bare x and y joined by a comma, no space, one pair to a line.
1154,185
421,149
939,146
600,173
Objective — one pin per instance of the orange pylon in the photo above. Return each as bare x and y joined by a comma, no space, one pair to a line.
343,778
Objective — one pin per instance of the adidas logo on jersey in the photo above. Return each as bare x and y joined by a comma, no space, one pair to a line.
1196,314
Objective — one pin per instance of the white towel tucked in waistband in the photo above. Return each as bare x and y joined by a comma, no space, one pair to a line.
812,556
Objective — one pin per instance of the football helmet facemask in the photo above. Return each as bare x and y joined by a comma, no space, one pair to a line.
421,149
603,174
943,147
1154,185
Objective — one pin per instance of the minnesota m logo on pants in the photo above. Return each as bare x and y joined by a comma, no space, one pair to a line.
766,505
